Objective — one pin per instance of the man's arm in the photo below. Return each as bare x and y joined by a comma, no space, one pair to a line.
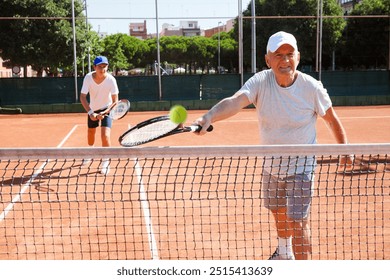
222,110
115,98
84,102
335,125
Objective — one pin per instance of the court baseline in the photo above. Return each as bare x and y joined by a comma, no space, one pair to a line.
30,181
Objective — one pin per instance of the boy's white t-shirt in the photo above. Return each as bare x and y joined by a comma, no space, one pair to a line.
99,94
287,115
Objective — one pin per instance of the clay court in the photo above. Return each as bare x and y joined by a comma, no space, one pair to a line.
363,125
182,219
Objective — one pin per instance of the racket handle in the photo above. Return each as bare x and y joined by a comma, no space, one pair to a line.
197,128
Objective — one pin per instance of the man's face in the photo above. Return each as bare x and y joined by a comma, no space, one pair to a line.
101,68
284,61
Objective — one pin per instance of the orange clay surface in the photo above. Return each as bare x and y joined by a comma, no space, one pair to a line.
363,125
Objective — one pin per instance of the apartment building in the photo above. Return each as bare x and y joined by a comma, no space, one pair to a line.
186,28
138,30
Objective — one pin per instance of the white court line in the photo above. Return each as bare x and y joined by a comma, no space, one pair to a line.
18,196
67,136
29,182
146,212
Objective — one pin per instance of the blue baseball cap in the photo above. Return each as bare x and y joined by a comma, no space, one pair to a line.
100,60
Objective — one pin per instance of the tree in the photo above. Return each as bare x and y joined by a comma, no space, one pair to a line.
114,48
124,51
92,44
44,43
195,52
367,39
135,51
201,53
229,48
304,29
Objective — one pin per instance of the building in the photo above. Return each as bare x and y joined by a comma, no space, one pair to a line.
138,30
4,71
229,25
348,5
190,28
186,28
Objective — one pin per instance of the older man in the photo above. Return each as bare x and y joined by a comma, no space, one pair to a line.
287,103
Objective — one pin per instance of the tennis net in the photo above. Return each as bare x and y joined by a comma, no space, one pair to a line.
186,202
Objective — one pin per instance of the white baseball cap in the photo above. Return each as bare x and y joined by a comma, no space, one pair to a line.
280,38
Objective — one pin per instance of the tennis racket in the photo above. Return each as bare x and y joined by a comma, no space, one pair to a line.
153,129
118,109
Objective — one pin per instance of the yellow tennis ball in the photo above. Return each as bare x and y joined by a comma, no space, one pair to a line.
178,114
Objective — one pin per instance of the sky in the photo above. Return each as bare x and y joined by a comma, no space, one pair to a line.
114,16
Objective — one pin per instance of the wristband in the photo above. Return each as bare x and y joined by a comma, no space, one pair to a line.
90,112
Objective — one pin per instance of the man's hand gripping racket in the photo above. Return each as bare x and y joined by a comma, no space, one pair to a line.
153,129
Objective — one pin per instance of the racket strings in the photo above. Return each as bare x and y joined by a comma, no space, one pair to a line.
119,110
148,132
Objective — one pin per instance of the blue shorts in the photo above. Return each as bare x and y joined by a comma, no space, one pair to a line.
106,122
293,193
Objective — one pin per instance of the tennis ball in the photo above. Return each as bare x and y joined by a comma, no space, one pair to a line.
178,114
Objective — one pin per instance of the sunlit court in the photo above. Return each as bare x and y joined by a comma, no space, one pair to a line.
185,196
364,124
162,138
